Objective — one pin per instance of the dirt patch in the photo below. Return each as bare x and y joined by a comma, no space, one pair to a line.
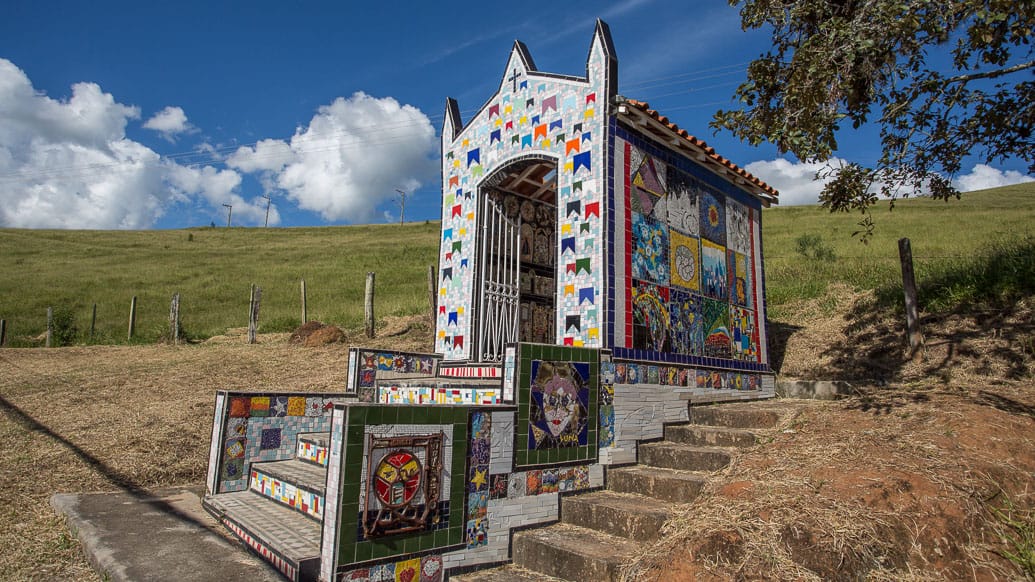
896,483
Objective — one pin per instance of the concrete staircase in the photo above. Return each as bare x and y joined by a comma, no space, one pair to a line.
602,530
280,515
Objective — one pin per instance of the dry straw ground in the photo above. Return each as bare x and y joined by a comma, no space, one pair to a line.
900,481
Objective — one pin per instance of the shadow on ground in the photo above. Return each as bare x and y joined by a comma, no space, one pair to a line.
988,331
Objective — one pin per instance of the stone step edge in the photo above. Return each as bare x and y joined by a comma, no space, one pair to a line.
626,549
759,408
506,573
752,434
652,508
730,451
295,569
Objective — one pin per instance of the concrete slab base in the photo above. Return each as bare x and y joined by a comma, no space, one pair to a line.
159,536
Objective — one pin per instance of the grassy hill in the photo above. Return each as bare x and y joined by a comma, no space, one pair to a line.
980,248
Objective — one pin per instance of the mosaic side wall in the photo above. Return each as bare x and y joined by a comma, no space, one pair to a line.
687,269
499,468
545,116
253,427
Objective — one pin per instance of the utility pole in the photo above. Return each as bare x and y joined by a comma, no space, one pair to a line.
402,206
229,213
267,224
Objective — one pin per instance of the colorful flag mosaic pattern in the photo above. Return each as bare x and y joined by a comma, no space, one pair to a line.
550,117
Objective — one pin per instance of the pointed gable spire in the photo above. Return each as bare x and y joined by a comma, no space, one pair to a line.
451,123
519,65
603,47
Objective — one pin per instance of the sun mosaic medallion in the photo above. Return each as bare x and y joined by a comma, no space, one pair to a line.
397,479
404,485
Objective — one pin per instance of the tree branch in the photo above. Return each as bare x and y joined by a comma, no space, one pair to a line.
989,74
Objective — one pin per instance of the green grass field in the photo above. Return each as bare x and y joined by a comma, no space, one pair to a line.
212,269
978,249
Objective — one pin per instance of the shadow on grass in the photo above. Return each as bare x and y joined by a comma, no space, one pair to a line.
962,302
778,335
117,479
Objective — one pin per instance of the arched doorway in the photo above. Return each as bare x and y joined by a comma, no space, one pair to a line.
516,279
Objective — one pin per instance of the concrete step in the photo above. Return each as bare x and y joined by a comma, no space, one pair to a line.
684,457
736,415
572,553
713,436
312,447
293,483
508,573
626,515
283,537
667,484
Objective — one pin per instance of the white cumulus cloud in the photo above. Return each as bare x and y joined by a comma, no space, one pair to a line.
170,122
267,155
351,156
983,177
796,182
68,164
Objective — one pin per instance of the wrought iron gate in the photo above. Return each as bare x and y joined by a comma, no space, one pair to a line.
497,311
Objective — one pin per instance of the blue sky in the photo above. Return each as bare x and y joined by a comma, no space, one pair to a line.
153,115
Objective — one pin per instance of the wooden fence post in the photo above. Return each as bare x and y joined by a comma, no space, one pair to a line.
368,305
132,317
253,314
3,332
431,294
305,311
50,325
93,320
174,319
913,333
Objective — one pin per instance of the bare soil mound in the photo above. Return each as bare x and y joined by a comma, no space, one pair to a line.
314,333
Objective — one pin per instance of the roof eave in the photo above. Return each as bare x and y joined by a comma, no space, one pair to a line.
638,114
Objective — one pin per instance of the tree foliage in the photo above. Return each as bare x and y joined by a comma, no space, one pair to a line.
943,80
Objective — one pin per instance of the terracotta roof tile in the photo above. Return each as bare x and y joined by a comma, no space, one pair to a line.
708,150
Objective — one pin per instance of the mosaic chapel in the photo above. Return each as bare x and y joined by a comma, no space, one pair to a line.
600,272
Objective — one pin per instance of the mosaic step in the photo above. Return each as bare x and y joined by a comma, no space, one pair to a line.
686,457
294,483
626,515
657,482
713,436
573,553
284,537
312,447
